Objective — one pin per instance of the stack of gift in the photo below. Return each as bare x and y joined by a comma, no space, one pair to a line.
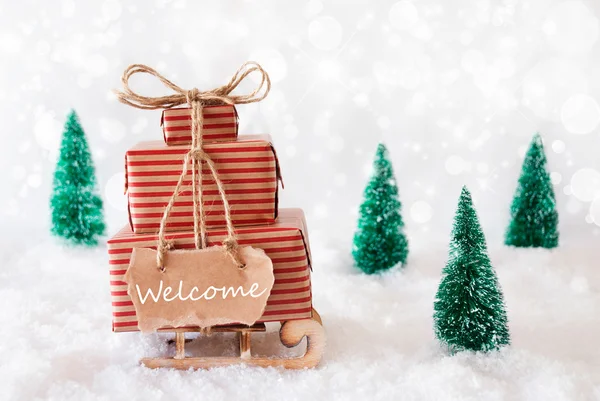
248,170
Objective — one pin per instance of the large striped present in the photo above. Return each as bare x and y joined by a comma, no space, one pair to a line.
248,169
220,124
285,242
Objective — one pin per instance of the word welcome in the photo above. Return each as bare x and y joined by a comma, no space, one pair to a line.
164,292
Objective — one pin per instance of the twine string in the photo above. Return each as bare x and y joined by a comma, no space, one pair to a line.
196,156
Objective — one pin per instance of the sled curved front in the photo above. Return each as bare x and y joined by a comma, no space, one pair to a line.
291,334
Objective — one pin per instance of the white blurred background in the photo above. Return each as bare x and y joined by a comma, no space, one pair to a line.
455,89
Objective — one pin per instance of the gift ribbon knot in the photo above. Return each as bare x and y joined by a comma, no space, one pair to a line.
196,156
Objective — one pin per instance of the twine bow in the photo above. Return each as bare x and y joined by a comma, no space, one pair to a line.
196,99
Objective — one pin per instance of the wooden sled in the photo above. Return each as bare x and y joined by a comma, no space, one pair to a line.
290,334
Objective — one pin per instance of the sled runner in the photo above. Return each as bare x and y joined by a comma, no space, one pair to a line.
291,334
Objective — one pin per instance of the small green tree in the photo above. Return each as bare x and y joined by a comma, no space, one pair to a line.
534,219
379,242
469,306
76,207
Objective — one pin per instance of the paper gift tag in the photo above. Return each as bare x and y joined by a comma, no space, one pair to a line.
202,288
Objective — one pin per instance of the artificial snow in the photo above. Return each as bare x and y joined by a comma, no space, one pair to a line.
56,340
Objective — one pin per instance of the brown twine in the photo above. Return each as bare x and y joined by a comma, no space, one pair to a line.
196,156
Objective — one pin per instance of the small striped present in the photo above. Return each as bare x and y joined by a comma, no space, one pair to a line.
285,242
248,169
220,124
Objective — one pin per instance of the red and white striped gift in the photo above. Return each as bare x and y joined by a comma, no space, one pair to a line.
220,124
285,242
248,169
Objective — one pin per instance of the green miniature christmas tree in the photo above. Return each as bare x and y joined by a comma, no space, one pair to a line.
469,306
76,207
534,219
379,242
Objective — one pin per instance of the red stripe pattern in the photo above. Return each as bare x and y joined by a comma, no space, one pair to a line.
220,125
248,169
285,242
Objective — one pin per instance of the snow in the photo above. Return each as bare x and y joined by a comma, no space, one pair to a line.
272,61
325,33
595,211
558,146
455,165
112,130
114,193
56,340
585,184
421,212
580,114
571,27
47,131
403,15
